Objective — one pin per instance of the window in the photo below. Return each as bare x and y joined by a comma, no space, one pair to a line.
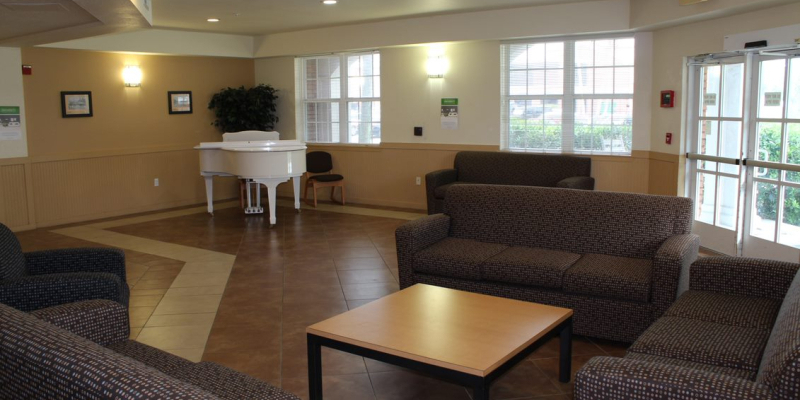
568,96
341,88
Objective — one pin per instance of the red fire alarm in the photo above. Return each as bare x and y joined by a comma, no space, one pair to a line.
668,139
27,70
667,98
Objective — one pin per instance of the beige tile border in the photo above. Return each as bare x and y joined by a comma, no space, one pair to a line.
180,323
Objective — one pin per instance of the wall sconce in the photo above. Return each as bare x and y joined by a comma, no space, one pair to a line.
132,76
437,65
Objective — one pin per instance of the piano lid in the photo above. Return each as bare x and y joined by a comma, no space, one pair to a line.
254,146
250,136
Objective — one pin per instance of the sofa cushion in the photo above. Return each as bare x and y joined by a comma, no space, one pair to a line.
780,367
230,384
609,276
456,258
734,372
528,266
441,190
703,342
578,221
151,356
507,168
745,312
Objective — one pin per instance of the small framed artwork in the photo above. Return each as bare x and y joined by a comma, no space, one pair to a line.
76,104
180,102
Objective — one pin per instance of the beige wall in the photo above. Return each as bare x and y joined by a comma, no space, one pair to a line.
671,45
85,168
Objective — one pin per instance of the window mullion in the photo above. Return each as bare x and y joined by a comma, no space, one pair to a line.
344,122
568,100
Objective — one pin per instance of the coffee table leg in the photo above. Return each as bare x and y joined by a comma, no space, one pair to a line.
565,362
314,368
481,391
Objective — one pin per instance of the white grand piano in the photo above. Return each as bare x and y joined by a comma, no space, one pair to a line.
259,158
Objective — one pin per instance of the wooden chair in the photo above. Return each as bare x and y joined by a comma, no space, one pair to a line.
318,166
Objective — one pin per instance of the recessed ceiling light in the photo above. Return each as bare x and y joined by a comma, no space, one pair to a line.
213,20
329,2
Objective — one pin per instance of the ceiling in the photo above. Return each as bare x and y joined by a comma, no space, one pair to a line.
258,17
31,22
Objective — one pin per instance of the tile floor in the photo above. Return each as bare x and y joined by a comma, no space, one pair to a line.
231,290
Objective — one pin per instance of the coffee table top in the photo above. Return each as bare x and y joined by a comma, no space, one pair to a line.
461,331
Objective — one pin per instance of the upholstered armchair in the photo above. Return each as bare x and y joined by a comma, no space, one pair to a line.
40,279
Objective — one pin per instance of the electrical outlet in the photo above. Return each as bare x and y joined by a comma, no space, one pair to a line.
155,182
419,181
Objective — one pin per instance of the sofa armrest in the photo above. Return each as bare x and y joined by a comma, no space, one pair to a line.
101,321
414,236
670,265
743,276
577,182
76,260
619,378
435,179
35,292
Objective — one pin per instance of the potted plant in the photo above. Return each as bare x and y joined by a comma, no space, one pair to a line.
240,109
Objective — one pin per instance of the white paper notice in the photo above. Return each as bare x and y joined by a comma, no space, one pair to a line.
13,135
449,114
710,99
10,123
772,99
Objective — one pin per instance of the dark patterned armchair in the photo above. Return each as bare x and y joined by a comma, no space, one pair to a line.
616,259
81,351
506,168
40,279
735,334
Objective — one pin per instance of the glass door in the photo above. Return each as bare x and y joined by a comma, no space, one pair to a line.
772,226
717,116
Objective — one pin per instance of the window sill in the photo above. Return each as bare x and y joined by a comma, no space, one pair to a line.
621,155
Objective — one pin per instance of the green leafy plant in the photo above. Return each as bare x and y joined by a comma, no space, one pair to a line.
240,109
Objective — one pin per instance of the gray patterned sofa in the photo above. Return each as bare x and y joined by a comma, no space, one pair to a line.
614,258
505,168
81,351
735,334
40,279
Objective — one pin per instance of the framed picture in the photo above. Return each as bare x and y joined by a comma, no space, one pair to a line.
180,102
76,104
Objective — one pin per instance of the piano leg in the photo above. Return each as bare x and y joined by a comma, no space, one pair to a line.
296,183
210,193
272,186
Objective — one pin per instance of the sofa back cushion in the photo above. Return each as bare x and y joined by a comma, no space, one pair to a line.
501,168
12,260
578,221
780,366
40,360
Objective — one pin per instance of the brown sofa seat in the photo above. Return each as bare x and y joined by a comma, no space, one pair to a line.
733,372
614,277
528,266
614,258
723,339
725,309
456,258
699,341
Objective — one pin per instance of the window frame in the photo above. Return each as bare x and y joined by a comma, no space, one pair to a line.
344,100
568,96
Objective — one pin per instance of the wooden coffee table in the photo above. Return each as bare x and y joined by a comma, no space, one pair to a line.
467,338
